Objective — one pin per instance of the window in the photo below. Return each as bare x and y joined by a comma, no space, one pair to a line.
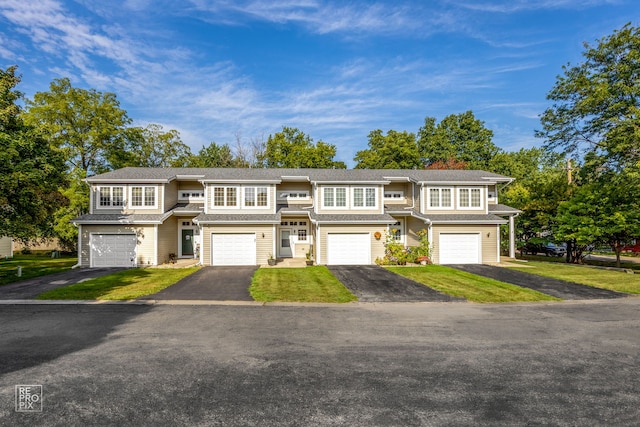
192,195
393,195
300,195
469,198
334,197
302,235
225,197
395,231
256,197
111,196
143,197
440,198
364,197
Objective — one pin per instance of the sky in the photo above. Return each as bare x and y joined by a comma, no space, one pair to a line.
222,71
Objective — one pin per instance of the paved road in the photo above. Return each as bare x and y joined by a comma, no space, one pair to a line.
31,288
546,285
211,283
357,365
371,283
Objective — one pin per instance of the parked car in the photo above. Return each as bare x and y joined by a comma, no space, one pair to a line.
551,249
635,248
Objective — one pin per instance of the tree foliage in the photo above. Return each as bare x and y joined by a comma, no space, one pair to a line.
214,156
151,147
395,150
595,107
291,148
30,170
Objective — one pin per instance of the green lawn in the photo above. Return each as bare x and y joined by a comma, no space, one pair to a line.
123,285
310,284
32,266
474,288
606,279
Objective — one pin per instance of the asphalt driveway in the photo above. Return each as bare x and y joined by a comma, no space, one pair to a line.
546,285
371,283
211,283
31,288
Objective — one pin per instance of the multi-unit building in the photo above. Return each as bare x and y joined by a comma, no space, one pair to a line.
148,216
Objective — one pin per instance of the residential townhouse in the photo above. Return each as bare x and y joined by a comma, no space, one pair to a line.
147,216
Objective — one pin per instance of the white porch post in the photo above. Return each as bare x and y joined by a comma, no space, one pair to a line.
512,237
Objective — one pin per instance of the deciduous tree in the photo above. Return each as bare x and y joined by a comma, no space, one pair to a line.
291,148
395,150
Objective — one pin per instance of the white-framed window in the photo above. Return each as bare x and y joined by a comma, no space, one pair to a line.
364,197
440,197
396,231
143,197
334,197
224,197
393,195
110,197
191,195
470,198
256,197
302,235
293,195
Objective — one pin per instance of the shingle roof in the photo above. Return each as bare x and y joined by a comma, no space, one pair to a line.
238,219
502,209
316,175
352,218
464,219
120,219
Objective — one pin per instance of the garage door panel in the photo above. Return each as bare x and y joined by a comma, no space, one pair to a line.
113,250
233,249
459,248
348,249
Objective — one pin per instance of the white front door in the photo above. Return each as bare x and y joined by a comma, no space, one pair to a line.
285,244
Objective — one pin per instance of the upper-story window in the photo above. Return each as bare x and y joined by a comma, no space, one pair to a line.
393,195
111,197
364,197
225,197
143,197
469,198
293,195
191,195
256,197
334,197
440,198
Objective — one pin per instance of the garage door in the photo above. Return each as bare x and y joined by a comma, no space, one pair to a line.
459,249
348,249
113,250
233,249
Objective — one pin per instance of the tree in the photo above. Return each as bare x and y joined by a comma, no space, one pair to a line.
291,148
450,164
460,137
30,170
596,106
395,150
88,126
151,147
213,156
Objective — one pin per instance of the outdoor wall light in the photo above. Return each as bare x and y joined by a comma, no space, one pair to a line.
489,234
263,235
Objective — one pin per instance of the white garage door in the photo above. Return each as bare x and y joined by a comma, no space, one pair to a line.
459,249
113,250
348,249
233,249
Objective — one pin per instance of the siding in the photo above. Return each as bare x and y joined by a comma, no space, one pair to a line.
6,247
169,195
413,225
167,239
145,248
405,187
264,245
489,245
295,186
377,246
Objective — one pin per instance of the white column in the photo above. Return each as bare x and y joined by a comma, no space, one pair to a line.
512,237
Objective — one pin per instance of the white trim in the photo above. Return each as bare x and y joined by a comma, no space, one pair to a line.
111,205
346,197
364,198
255,196
402,228
498,245
470,208
225,206
318,245
156,197
155,247
440,207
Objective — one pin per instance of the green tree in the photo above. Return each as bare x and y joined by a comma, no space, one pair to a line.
291,148
30,170
88,126
214,156
460,137
596,105
151,147
395,150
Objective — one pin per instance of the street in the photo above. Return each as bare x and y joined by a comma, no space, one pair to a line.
354,365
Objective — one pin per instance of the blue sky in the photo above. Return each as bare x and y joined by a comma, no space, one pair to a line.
221,70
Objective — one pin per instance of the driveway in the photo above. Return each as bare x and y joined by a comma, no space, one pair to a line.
546,285
371,283
31,288
211,283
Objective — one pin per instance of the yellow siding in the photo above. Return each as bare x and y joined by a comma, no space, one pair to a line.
169,195
413,225
264,245
405,187
295,186
167,239
145,247
377,246
489,244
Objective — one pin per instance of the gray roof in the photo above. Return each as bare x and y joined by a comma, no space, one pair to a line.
352,218
121,218
237,219
465,219
159,175
502,209
187,208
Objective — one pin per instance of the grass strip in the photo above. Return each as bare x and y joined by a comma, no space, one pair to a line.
32,266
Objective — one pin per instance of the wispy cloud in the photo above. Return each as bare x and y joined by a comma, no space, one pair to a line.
513,6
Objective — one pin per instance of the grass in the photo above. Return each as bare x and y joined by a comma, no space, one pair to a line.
33,266
123,285
606,279
474,288
310,284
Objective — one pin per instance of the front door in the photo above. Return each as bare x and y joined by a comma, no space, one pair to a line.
285,243
187,242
